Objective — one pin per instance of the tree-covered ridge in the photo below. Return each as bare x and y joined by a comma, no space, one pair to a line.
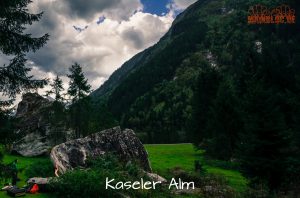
229,87
167,108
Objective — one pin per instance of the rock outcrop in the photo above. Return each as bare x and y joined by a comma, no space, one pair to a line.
34,129
124,144
30,107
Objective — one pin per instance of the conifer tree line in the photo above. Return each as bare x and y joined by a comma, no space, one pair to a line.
74,106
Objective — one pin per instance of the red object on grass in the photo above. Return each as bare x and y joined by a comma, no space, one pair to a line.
34,189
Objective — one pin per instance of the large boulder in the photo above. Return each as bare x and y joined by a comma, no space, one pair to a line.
34,131
124,144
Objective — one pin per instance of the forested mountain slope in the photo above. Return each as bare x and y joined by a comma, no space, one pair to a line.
141,59
230,87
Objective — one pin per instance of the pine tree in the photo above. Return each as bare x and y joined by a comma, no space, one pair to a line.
56,89
264,148
14,77
78,86
79,90
224,123
57,117
206,90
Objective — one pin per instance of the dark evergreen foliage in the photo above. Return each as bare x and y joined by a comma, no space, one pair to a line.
78,85
58,113
56,89
14,77
79,111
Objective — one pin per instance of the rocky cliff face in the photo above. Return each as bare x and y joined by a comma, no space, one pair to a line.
124,143
31,106
34,129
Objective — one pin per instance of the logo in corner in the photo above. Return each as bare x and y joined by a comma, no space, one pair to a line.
260,14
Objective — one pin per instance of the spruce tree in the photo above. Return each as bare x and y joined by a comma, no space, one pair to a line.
79,90
56,89
57,117
78,86
223,122
264,148
14,78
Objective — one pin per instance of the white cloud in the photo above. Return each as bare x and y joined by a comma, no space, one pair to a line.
101,48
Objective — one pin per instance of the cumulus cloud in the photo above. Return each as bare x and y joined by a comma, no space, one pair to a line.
102,47
116,31
89,9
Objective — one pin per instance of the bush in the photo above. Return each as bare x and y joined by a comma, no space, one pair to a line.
40,169
5,170
258,191
1,155
90,183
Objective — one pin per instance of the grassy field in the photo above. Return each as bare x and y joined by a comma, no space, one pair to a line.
162,158
24,163
165,157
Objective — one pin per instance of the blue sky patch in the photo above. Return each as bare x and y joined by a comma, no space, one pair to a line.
157,7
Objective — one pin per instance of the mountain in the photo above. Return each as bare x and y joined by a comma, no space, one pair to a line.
146,57
183,88
229,86
119,75
162,78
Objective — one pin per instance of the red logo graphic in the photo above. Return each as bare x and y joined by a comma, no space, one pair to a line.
260,14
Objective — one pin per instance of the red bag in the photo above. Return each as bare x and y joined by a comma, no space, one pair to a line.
34,189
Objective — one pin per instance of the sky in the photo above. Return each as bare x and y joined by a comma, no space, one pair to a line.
98,34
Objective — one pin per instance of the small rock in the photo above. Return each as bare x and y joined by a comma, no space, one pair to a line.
38,180
155,177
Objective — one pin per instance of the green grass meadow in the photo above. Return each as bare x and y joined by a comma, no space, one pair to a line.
162,158
23,164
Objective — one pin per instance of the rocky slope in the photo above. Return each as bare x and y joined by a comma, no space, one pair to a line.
34,130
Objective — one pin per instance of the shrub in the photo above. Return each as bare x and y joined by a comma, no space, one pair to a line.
40,169
90,183
258,191
5,170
